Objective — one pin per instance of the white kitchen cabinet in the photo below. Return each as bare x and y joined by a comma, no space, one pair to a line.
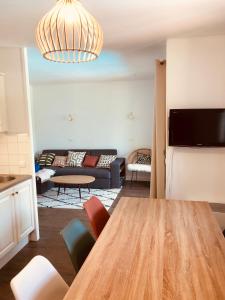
8,235
24,209
3,108
16,216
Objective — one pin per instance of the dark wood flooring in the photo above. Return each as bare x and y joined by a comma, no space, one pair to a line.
51,244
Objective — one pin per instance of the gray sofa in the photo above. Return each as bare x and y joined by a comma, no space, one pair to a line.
104,178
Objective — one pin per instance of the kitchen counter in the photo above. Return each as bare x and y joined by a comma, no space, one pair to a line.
18,179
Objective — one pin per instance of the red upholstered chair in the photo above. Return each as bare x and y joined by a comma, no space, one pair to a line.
97,215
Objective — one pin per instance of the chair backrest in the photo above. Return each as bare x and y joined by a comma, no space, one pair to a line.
39,280
79,242
132,158
97,215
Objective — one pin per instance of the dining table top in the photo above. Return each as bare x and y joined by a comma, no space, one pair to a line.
155,249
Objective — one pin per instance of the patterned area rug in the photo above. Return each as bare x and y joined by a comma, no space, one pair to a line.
70,199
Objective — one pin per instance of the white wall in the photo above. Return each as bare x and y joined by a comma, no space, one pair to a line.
196,79
100,111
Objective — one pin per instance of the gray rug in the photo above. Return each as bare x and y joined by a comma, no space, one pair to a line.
70,199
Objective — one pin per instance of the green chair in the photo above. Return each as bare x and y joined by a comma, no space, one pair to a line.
79,242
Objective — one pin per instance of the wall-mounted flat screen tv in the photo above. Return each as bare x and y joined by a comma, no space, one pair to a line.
197,127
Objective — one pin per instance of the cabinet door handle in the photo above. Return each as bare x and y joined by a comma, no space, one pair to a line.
17,193
13,194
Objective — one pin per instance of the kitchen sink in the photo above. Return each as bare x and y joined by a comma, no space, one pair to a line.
6,178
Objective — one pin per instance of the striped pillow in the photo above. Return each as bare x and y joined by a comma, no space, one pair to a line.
46,159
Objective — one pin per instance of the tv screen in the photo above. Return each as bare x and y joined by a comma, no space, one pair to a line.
197,127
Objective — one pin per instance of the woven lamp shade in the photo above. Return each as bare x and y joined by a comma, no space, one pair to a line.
69,34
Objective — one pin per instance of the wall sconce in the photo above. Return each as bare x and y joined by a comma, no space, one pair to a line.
70,118
131,116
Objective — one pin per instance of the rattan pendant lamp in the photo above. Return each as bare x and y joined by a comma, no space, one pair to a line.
68,33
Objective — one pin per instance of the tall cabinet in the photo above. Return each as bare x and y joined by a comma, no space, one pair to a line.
3,107
13,86
18,206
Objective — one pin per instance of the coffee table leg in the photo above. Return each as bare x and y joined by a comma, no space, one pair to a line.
88,188
79,192
58,190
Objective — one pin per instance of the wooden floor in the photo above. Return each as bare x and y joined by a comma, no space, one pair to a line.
51,245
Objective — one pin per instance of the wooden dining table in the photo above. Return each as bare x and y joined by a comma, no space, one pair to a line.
155,249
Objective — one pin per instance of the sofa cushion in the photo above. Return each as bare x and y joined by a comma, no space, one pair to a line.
139,168
56,151
59,161
105,161
46,159
75,159
97,173
90,161
97,152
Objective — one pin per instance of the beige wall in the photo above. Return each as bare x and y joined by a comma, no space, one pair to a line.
196,79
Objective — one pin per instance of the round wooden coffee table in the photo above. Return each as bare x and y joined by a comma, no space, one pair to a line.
72,180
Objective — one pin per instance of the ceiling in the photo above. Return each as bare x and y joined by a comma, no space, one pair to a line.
126,23
134,34
111,65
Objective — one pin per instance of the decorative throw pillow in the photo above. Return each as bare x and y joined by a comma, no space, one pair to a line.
143,159
90,161
105,161
59,161
46,159
75,159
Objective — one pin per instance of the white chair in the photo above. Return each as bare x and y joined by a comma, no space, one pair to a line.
134,167
38,280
